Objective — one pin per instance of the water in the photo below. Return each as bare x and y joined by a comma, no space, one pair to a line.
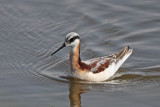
30,30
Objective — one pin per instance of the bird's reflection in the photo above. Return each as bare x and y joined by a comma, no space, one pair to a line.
75,91
77,88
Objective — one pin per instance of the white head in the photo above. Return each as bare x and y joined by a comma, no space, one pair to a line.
72,39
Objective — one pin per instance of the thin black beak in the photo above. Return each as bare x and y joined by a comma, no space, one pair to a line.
59,49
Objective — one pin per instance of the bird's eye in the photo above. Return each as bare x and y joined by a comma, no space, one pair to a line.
72,39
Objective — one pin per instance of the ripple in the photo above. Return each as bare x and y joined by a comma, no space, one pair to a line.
121,78
31,30
63,77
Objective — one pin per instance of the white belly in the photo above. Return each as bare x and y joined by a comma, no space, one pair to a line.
104,75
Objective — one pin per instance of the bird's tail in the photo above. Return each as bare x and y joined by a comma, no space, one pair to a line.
126,51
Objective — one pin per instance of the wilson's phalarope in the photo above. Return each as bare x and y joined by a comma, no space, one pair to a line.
97,69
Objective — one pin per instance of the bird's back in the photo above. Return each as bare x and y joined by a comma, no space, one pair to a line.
105,67
102,68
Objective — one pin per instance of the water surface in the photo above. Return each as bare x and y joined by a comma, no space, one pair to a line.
30,30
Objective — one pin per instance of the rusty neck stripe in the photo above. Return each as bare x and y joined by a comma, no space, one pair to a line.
79,65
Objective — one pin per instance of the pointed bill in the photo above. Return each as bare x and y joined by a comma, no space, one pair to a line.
59,49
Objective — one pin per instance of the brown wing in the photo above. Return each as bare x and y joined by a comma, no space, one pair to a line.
102,66
97,65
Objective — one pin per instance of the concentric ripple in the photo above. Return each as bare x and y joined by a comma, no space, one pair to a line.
30,30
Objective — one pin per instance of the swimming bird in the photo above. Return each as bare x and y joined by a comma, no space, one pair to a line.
96,69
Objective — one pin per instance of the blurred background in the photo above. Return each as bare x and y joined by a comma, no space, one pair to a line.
30,30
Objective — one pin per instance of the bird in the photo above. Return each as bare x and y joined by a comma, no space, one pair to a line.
96,69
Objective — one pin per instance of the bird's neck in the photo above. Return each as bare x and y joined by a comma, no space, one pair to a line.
75,59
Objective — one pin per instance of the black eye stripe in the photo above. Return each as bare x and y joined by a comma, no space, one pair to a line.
72,39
